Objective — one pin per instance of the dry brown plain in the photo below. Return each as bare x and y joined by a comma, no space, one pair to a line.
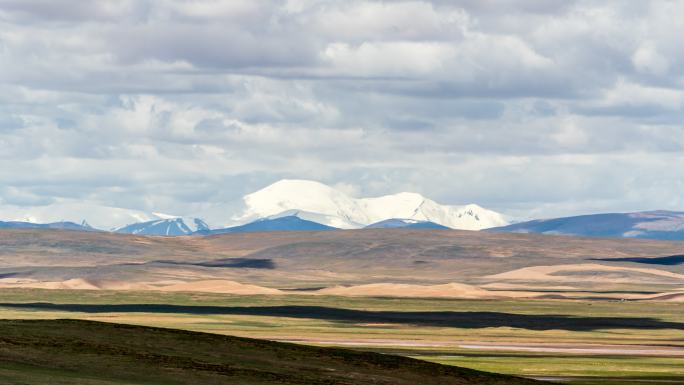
404,263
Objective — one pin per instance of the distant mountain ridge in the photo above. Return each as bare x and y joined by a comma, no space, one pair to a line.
286,223
664,225
294,205
56,225
98,216
307,201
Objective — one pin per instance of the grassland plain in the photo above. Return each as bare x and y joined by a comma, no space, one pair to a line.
588,342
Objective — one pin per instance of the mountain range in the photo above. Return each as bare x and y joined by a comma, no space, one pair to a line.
284,205
301,205
55,225
320,203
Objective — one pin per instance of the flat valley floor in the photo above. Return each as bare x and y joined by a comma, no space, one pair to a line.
579,342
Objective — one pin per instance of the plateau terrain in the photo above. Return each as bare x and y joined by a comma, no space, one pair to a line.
543,307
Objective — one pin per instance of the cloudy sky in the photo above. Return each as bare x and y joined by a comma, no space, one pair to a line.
533,108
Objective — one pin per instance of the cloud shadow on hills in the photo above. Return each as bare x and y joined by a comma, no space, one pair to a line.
234,263
474,320
671,260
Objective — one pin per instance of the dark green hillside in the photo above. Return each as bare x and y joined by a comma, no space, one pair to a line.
84,352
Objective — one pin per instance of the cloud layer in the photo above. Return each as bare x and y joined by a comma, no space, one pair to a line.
532,108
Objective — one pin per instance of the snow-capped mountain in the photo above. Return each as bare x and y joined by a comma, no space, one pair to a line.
174,226
307,200
320,203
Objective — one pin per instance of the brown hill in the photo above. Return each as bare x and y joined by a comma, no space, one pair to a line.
314,260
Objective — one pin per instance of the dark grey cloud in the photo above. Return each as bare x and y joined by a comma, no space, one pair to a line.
530,107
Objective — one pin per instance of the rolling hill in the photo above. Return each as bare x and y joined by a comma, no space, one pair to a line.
405,261
85,352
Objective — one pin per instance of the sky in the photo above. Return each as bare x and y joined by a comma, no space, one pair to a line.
531,108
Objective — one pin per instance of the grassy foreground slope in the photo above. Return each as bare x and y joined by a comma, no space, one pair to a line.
86,352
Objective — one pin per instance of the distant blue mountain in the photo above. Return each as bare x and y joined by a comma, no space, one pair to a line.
664,225
164,227
396,223
287,223
57,225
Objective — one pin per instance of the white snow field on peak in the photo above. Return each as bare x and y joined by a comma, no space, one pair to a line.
323,204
